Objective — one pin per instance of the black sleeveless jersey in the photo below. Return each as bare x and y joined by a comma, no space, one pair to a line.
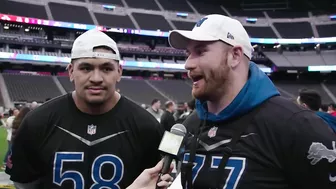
66,148
283,147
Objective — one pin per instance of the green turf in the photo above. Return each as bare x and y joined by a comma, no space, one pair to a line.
3,144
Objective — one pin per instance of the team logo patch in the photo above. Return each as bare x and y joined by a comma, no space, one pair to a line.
91,130
319,151
212,132
200,22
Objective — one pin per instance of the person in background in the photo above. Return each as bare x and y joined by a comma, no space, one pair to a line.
180,109
9,123
167,119
311,100
190,109
2,123
155,109
33,105
324,108
15,126
332,109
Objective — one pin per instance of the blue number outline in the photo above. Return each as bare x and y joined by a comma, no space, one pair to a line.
236,165
198,164
62,157
115,183
61,175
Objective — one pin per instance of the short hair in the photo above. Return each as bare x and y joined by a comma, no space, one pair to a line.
324,107
155,100
191,104
311,98
168,104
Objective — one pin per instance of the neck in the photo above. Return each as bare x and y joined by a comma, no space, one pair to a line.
169,110
96,109
228,93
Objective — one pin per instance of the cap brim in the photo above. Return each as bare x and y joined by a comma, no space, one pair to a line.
179,39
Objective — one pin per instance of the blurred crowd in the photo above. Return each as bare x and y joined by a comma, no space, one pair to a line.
170,113
11,120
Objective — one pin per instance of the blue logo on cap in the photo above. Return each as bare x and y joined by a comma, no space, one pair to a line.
200,22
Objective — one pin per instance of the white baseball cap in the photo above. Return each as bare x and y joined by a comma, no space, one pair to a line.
84,44
214,27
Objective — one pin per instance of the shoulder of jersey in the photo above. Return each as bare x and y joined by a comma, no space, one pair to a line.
51,106
284,105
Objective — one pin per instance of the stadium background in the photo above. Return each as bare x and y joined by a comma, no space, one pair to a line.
294,42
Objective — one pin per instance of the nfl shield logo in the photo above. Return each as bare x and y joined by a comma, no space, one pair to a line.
212,132
91,129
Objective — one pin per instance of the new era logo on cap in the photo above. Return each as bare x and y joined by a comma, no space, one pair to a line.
229,36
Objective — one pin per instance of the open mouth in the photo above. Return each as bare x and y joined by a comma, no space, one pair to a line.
195,79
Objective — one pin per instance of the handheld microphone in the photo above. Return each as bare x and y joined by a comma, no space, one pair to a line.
170,144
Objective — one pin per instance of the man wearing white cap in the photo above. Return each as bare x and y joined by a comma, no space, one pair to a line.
90,138
243,134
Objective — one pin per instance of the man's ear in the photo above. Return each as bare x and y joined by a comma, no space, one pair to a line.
119,72
70,68
237,56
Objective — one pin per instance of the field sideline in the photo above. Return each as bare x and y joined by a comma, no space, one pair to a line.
3,144
4,178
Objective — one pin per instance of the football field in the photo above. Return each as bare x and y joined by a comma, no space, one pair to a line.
3,144
4,178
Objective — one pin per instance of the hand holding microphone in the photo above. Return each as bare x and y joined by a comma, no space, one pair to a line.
158,176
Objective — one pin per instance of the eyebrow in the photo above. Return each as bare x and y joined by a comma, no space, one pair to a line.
198,46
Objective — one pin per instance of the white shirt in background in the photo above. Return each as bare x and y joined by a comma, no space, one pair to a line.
9,125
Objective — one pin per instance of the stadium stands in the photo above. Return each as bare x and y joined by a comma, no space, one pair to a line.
139,91
108,2
294,29
66,84
262,32
114,20
20,9
70,13
175,89
328,30
157,22
144,4
23,88
148,15
176,5
208,8
294,87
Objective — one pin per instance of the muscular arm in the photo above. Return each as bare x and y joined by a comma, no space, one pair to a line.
311,159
